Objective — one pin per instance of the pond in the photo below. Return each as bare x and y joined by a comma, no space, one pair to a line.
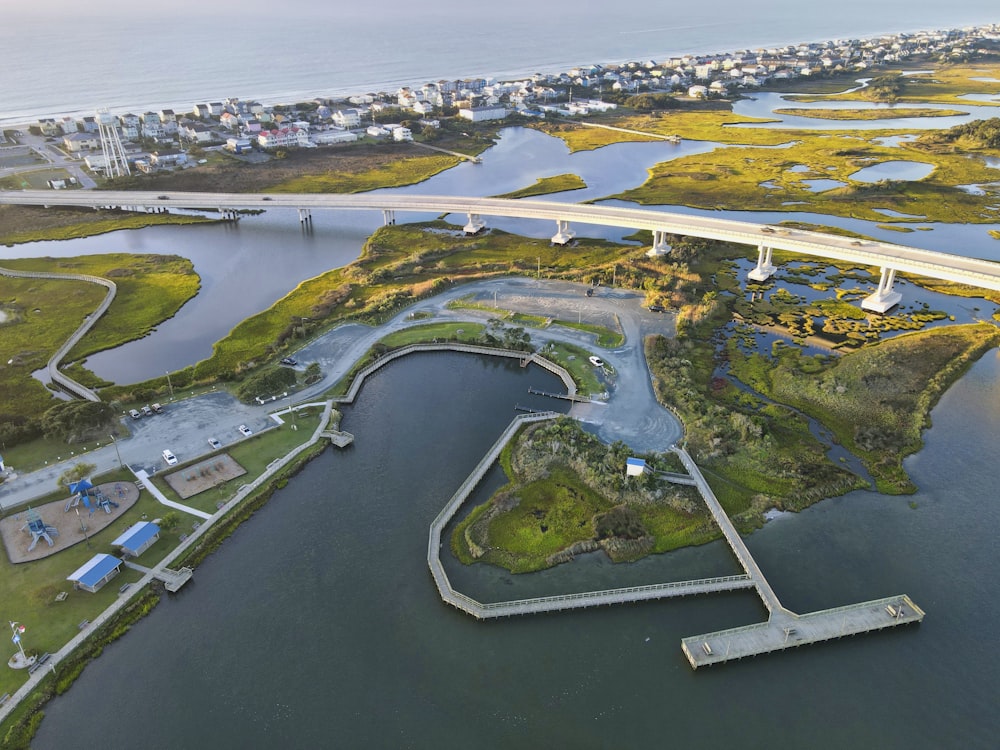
821,186
894,170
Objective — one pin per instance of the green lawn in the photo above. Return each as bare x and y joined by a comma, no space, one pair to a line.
28,590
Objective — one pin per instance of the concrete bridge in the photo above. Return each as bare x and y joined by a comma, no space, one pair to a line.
888,257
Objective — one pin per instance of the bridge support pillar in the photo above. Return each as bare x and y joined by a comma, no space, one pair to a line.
388,217
660,245
563,233
884,298
305,215
764,269
475,225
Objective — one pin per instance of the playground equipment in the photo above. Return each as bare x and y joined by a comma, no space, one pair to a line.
38,529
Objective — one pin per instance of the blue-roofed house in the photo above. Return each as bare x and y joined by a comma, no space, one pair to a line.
96,572
137,538
635,467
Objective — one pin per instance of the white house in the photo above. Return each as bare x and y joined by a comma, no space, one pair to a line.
333,136
130,126
698,92
482,114
400,133
347,118
77,142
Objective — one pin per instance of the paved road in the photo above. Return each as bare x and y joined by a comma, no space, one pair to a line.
631,413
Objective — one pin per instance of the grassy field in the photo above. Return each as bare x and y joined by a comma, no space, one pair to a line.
945,84
29,589
867,114
567,495
20,224
876,400
36,179
764,178
43,313
694,125
400,264
547,185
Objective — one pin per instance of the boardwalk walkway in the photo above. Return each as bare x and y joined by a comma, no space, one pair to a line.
784,628
172,579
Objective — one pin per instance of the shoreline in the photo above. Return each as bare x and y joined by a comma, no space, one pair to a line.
386,85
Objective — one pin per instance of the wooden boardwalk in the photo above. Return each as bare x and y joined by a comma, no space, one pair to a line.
172,579
784,628
780,633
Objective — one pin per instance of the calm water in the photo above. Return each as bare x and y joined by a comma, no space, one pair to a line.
317,623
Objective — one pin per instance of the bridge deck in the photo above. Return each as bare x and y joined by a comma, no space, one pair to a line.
981,273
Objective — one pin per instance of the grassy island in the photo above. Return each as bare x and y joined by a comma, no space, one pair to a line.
568,495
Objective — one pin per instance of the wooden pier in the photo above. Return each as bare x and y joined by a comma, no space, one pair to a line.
172,580
564,396
783,632
338,438
784,628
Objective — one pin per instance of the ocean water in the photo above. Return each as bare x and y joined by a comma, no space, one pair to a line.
70,58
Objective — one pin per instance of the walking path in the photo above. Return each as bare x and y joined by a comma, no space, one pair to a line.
146,482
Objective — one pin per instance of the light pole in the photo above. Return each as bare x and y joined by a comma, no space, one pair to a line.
538,273
288,398
120,464
83,526
170,386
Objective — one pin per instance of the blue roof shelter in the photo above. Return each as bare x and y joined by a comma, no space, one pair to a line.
635,467
137,538
96,572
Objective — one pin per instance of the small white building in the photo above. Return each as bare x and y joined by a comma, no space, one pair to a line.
635,467
333,136
482,114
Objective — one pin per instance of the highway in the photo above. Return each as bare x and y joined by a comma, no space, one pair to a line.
957,268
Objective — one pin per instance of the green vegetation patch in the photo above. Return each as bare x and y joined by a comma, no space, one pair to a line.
876,400
568,495
868,114
547,185
774,180
32,223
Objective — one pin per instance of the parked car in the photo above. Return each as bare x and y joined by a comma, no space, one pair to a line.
169,457
215,444
158,408
656,308
146,411
246,431
134,414
597,362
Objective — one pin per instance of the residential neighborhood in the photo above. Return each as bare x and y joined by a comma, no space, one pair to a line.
153,141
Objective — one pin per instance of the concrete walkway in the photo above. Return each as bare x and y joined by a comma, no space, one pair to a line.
146,482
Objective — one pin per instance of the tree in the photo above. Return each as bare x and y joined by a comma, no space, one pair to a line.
75,473
74,420
170,520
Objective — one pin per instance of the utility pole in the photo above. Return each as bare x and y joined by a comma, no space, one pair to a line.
170,386
538,273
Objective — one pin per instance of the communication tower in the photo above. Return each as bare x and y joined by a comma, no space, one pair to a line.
115,163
